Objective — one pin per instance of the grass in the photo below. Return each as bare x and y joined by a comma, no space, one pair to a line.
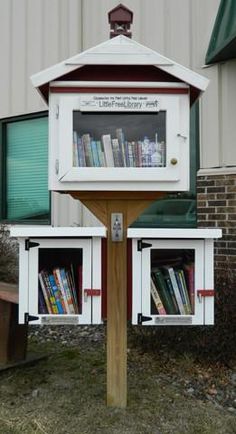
65,394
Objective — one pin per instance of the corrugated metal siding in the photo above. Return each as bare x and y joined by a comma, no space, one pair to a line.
38,33
34,34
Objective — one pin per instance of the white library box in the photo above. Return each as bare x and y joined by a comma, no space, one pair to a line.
173,276
60,274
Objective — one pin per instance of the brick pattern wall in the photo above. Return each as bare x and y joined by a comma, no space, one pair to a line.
216,207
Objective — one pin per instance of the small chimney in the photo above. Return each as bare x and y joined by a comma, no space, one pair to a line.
120,18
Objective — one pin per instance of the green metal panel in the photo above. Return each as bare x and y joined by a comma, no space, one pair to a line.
222,45
26,190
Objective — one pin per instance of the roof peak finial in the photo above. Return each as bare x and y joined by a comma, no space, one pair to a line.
120,18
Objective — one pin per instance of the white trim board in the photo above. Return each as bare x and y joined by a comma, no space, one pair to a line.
174,233
120,51
217,171
49,231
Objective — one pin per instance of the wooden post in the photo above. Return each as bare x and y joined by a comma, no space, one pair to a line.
130,204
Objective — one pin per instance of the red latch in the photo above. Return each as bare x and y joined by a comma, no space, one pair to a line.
205,292
92,292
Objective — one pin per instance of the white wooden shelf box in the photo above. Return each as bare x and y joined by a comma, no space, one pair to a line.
119,119
59,274
173,277
120,141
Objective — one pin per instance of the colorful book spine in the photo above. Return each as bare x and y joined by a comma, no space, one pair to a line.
95,153
56,293
185,291
75,150
176,290
46,295
172,294
81,153
51,296
189,275
101,156
163,291
121,141
67,290
57,276
86,141
106,141
72,291
181,290
156,298
116,152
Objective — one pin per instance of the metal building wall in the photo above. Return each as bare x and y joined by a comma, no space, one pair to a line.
35,34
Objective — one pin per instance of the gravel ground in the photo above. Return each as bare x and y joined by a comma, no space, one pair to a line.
210,382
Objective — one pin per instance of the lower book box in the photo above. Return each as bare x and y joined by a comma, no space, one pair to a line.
60,278
173,276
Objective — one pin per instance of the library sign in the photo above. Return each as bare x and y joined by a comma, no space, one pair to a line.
146,103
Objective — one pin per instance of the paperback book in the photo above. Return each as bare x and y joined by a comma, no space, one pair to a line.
108,151
172,289
58,292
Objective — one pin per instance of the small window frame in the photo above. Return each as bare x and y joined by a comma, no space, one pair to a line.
3,170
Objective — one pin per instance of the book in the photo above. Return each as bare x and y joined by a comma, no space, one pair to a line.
183,286
106,141
42,304
156,298
72,290
96,162
80,287
45,293
86,141
121,141
75,149
176,289
58,279
189,276
81,153
50,294
163,291
172,294
101,156
116,152
67,291
56,293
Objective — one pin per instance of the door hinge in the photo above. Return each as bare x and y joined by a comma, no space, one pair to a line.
29,244
142,318
57,111
29,318
142,245
57,166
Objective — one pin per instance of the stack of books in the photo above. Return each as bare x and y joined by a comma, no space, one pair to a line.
117,152
57,291
172,290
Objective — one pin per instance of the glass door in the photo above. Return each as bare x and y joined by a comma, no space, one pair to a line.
172,272
59,273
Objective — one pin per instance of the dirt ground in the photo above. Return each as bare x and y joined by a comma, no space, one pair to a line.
66,394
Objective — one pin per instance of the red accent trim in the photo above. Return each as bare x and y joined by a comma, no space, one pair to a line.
164,90
206,292
92,292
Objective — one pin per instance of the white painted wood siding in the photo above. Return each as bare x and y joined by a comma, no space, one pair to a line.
38,33
34,34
